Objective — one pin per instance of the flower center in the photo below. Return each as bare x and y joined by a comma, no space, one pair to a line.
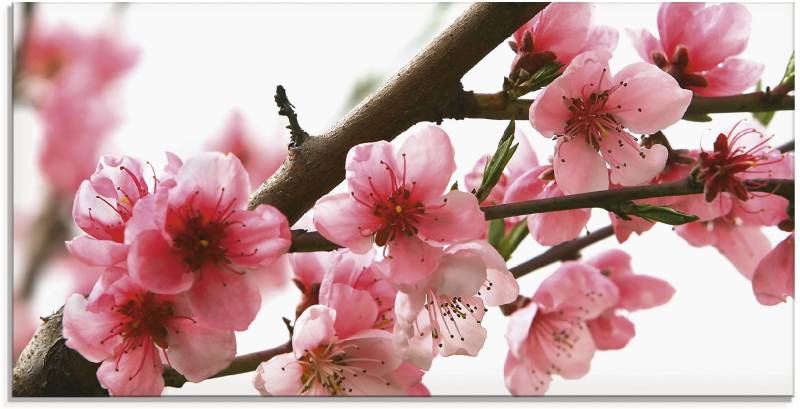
332,368
123,205
446,313
676,67
591,118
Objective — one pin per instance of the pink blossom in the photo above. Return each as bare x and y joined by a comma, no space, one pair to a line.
773,279
260,160
744,245
128,329
198,237
25,324
549,335
444,314
559,33
326,361
588,111
398,198
698,46
636,292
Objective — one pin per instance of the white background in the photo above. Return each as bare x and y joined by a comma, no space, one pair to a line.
201,61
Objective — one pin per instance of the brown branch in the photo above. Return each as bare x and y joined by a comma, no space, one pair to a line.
26,21
309,241
240,364
608,198
48,232
564,251
499,106
787,147
427,89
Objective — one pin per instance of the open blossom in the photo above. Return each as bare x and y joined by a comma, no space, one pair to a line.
130,330
698,46
329,360
398,198
559,33
444,314
588,111
198,237
550,336
636,292
260,160
773,279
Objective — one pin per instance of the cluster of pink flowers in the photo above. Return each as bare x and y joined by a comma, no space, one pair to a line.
177,255
416,274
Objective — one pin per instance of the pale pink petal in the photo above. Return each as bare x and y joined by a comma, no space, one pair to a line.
156,267
280,376
373,350
95,217
345,222
412,332
84,330
428,158
551,228
579,168
356,310
613,263
624,228
733,77
410,378
548,113
644,43
122,379
523,380
370,168
611,331
524,157
697,205
459,274
149,213
310,268
630,163
587,68
744,246
464,336
639,291
410,260
673,19
648,100
500,287
578,288
714,34
198,352
225,300
573,360
211,180
562,28
314,327
519,328
455,217
97,252
697,234
773,279
257,237
601,37
527,186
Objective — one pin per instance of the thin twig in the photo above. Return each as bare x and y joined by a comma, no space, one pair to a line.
564,251
285,108
787,147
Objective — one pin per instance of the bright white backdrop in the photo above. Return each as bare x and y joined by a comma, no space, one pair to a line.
200,61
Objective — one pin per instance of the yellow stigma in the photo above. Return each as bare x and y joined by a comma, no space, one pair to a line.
203,243
398,209
125,200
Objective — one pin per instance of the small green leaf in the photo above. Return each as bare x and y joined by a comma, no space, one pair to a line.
497,163
662,214
788,75
536,81
496,232
697,117
764,117
513,239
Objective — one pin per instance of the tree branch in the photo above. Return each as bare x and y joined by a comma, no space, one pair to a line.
607,198
787,147
26,21
427,89
285,108
499,106
565,251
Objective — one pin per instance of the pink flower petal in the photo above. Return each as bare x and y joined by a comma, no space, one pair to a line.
370,167
639,292
457,218
773,279
571,363
673,21
651,100
501,287
198,352
733,77
429,162
601,37
519,328
314,327
220,179
280,376
744,246
225,300
522,380
551,228
568,286
466,336
697,234
562,28
714,34
624,228
630,163
156,267
84,330
122,379
459,274
644,43
611,331
614,263
410,260
258,237
345,222
578,167
355,309
310,268
101,253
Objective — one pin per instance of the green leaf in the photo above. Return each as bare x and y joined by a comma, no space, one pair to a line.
513,239
538,80
697,117
662,214
788,74
764,117
497,163
496,232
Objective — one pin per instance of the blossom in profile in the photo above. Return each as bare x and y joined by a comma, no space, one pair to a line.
591,113
559,33
773,279
132,331
610,330
399,199
550,335
328,360
698,46
443,315
199,237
